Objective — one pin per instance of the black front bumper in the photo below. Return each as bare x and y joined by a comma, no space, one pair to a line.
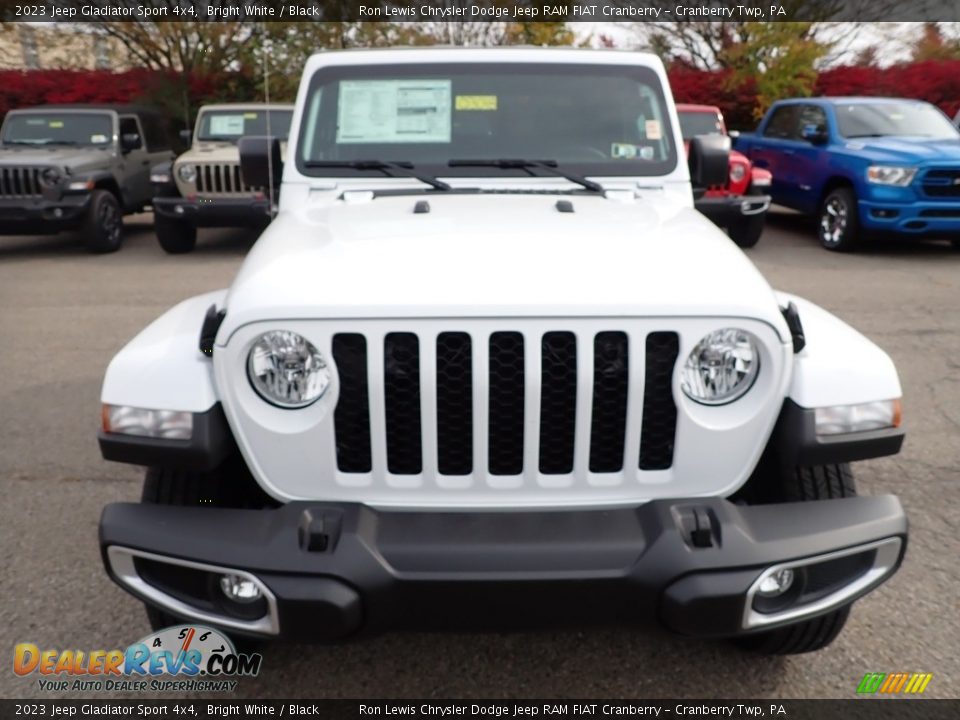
340,569
41,216
218,212
725,210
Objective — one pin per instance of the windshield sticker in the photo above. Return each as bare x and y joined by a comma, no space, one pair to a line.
653,130
36,121
623,151
476,102
394,111
226,125
98,139
56,123
250,116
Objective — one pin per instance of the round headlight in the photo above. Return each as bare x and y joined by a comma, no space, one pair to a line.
50,176
287,370
737,171
721,368
187,173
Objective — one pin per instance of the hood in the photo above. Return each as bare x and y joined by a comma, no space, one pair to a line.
906,149
496,255
206,152
60,156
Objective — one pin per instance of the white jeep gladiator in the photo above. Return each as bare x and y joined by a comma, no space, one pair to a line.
488,367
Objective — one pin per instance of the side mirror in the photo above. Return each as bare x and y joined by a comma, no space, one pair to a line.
709,161
815,134
186,136
261,163
130,141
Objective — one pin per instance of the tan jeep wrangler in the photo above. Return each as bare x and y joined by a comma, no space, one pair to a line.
204,187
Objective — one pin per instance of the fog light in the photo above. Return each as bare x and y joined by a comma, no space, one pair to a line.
776,584
240,589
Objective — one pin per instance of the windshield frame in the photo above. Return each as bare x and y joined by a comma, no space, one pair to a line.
838,108
233,111
11,143
609,168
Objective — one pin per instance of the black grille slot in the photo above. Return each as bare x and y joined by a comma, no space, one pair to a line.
609,417
454,404
505,436
352,416
558,402
401,379
659,410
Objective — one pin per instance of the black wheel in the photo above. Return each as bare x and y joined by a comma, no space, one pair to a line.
230,486
103,226
820,482
176,236
746,233
839,227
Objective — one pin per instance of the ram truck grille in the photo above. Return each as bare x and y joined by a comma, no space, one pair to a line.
16,182
941,183
486,395
221,179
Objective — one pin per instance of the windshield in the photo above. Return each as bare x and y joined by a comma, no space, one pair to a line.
231,125
693,123
892,118
52,128
589,119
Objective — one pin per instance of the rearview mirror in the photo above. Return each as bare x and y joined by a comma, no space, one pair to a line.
709,161
130,141
815,134
261,163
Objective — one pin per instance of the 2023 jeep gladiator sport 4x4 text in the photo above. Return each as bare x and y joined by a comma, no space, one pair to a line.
489,367
78,167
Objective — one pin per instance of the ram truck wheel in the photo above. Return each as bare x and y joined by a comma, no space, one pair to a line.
103,227
821,482
176,237
839,228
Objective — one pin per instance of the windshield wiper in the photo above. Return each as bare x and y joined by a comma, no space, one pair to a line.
863,135
405,169
528,166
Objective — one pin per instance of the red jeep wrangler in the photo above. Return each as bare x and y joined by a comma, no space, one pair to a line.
740,206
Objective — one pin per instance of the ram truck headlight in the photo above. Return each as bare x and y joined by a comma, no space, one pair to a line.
187,173
890,175
721,368
841,419
166,424
287,370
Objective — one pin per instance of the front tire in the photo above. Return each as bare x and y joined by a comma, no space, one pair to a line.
819,482
746,233
103,227
839,227
176,236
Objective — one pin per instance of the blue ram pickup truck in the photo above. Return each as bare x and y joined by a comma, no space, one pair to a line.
862,166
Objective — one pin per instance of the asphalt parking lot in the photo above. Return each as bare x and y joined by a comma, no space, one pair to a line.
63,314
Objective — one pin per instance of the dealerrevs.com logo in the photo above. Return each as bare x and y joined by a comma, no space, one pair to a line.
179,658
898,683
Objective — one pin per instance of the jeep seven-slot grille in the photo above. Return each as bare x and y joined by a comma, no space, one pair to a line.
222,179
504,356
20,182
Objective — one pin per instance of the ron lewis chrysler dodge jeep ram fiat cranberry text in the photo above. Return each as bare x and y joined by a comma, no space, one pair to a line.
489,367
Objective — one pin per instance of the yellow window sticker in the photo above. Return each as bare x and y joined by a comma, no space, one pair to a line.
653,129
249,116
476,102
56,123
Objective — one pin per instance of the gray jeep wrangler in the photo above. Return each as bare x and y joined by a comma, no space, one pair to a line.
78,167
